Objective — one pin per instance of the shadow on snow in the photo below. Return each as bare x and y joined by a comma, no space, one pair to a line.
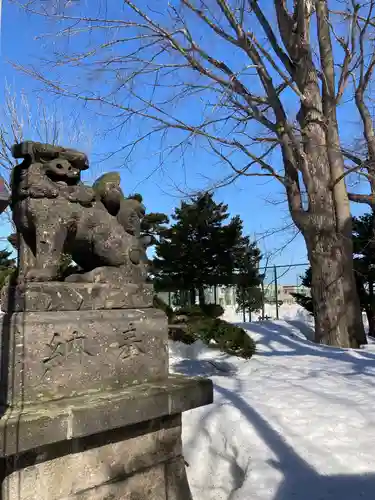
293,345
300,480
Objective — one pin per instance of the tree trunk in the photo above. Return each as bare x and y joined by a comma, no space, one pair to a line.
337,311
371,309
192,296
202,298
370,313
367,301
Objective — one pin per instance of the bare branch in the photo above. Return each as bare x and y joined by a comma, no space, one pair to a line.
366,199
255,159
349,48
223,90
272,37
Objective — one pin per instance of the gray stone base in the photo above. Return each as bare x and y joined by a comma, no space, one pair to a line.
64,296
57,354
139,462
120,445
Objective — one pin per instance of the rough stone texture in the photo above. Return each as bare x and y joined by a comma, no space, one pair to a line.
55,354
89,410
140,462
39,425
177,485
63,296
61,451
128,211
55,213
145,485
123,462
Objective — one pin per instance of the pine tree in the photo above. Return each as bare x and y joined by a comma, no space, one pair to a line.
152,226
200,249
305,300
7,265
364,265
249,295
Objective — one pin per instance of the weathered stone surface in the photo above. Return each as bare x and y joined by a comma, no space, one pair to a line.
88,408
40,425
146,485
177,485
127,458
63,296
52,355
164,481
55,213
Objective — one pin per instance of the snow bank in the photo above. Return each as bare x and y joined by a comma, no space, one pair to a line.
286,312
294,422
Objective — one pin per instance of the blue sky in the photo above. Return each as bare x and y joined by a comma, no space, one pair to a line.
259,201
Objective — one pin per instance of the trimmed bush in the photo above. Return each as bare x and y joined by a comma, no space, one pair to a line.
159,303
205,325
190,311
233,339
202,328
210,310
227,337
180,334
213,310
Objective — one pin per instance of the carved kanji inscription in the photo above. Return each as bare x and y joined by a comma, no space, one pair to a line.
130,343
60,349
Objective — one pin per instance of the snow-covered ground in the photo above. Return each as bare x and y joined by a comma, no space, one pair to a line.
286,312
297,421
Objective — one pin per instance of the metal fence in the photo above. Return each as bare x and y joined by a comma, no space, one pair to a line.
278,285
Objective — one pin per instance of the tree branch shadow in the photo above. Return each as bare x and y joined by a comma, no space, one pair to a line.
294,346
300,480
205,368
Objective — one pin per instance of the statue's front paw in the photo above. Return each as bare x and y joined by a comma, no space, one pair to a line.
41,192
44,274
135,255
85,196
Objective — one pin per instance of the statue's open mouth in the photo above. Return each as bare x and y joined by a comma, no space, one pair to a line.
63,180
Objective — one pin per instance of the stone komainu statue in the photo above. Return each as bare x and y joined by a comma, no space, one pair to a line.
56,214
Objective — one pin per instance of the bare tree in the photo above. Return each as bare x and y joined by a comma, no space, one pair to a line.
359,66
21,120
262,78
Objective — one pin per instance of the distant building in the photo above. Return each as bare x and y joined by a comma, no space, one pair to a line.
284,293
226,296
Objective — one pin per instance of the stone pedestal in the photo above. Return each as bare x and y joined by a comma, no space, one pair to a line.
89,408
